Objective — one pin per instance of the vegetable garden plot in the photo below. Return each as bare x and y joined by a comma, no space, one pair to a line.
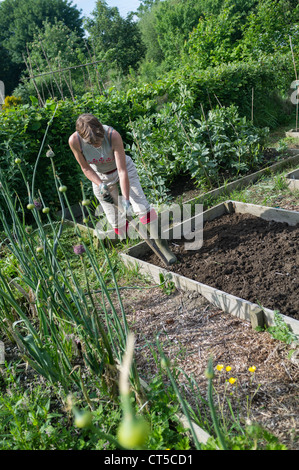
248,259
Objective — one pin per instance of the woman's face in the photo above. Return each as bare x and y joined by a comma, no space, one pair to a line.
96,144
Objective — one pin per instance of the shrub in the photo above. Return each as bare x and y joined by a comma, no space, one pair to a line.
169,144
10,102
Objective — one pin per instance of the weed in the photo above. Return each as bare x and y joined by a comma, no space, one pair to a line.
166,284
280,330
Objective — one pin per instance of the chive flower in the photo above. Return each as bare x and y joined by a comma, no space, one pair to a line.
50,154
79,249
83,419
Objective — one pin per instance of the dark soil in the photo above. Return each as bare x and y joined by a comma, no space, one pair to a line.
245,256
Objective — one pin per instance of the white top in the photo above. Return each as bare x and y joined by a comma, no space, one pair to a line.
102,159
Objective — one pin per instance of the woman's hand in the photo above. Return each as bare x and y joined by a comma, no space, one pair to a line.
127,207
105,193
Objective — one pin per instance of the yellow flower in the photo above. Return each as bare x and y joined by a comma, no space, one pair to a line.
232,380
219,367
252,369
228,368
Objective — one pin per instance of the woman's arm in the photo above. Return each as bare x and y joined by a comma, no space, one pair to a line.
85,167
120,159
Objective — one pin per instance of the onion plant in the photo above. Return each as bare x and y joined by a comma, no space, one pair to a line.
56,311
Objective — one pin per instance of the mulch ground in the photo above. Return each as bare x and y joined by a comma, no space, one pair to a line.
190,331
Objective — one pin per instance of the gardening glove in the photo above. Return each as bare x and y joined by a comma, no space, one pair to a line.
105,194
127,207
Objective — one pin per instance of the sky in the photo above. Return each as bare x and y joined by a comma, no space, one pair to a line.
124,6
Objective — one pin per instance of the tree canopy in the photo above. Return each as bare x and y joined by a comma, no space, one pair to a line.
19,21
109,30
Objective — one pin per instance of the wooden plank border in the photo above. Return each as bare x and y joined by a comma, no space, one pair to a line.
292,179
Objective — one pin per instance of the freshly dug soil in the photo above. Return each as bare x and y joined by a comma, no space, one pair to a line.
245,256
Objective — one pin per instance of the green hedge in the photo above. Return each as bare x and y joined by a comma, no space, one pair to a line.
270,79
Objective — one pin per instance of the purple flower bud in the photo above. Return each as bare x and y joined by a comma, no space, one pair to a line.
37,205
79,249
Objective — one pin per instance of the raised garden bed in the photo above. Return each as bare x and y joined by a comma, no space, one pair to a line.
248,264
292,179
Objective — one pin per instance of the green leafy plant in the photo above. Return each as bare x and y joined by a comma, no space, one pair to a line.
166,284
280,330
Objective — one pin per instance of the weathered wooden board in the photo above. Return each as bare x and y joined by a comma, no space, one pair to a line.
292,179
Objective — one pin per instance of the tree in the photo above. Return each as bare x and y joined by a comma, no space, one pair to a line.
145,6
19,20
269,28
215,7
108,30
147,25
165,25
175,19
213,40
54,47
237,30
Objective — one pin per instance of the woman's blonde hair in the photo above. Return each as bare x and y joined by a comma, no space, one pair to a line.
90,128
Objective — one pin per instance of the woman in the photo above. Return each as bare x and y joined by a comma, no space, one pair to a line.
100,152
